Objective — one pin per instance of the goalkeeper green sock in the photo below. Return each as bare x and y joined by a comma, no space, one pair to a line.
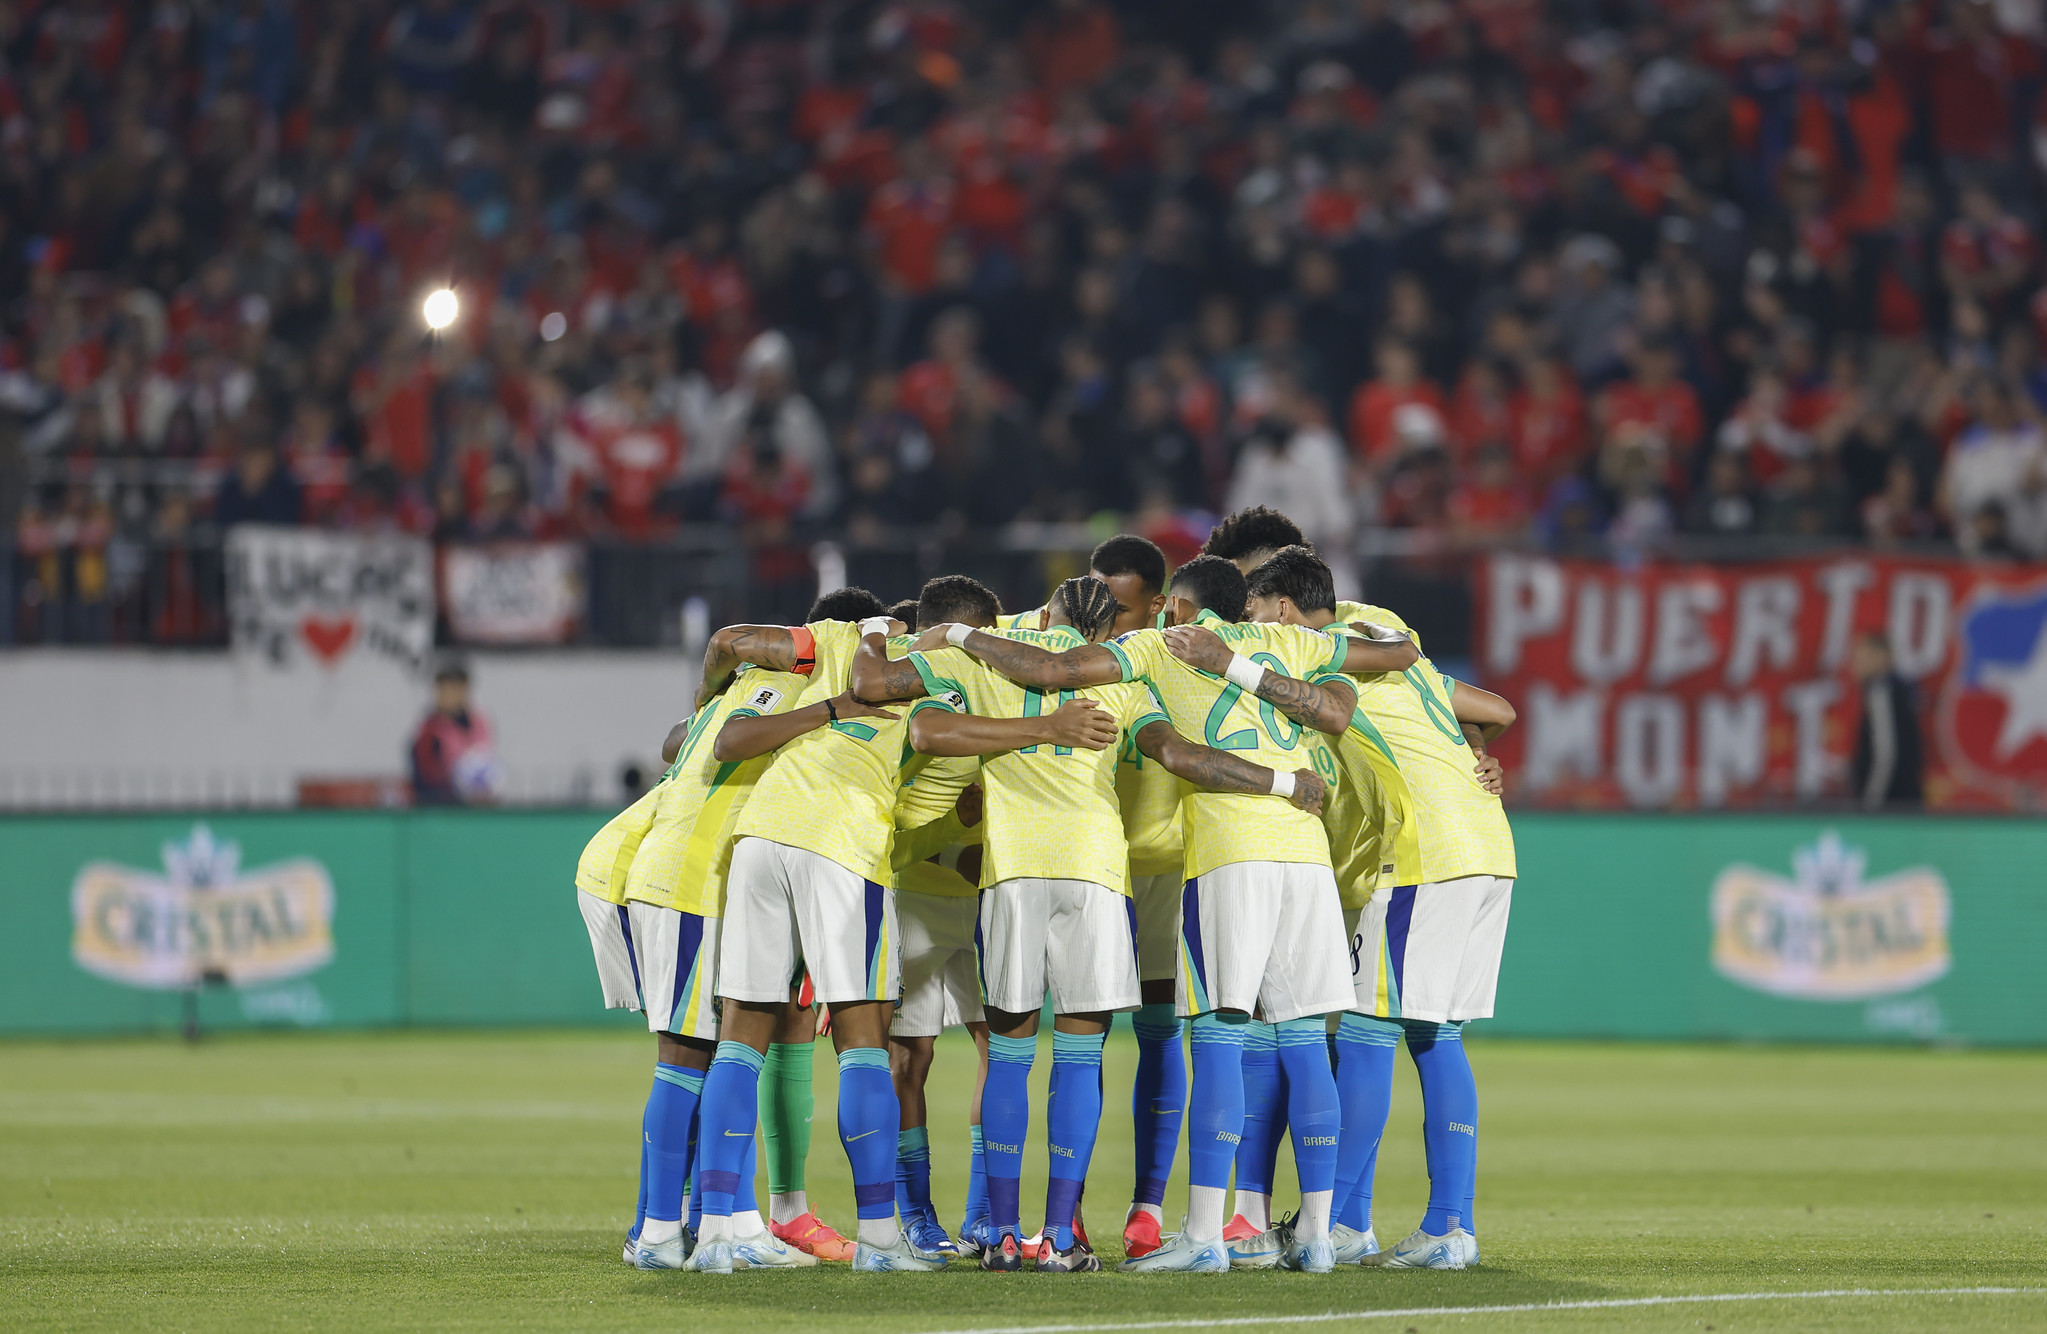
786,1107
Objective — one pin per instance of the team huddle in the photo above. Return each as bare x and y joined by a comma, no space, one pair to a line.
1253,817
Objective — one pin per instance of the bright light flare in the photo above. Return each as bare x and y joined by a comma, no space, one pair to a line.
440,309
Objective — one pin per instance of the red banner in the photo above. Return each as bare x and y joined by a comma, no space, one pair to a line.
1676,686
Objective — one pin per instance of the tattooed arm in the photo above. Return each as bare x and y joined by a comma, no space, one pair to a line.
769,646
1030,665
1220,771
1326,706
878,677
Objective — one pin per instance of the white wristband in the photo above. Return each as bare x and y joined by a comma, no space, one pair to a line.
874,625
1282,784
956,634
1244,672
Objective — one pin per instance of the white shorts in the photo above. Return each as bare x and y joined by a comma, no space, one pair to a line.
1430,952
1158,925
611,940
678,970
1264,937
787,910
941,964
1072,940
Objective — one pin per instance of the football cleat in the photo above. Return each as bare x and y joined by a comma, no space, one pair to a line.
1239,1229
1471,1250
712,1257
1260,1250
670,1254
1182,1255
813,1236
1003,1254
1352,1246
1076,1259
1141,1235
1080,1227
1423,1251
897,1257
632,1244
1308,1257
928,1239
764,1250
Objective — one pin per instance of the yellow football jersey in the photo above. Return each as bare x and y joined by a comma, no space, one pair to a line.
1149,796
1440,824
608,856
1362,820
1224,827
832,791
1347,612
1020,620
1051,810
928,822
683,858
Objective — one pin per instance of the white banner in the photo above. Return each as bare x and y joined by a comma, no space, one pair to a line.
513,592
299,593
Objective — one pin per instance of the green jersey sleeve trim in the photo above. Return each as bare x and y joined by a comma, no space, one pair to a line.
934,684
1122,660
1365,728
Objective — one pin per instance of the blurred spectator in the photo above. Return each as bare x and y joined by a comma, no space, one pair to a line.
258,491
1888,746
454,761
1993,489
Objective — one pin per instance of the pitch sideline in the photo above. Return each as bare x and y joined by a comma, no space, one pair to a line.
1612,1303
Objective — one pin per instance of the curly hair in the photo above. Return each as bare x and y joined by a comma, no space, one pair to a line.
845,604
1089,605
957,597
1259,528
1127,553
1213,583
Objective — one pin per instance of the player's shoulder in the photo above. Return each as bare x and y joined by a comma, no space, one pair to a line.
761,690
1020,620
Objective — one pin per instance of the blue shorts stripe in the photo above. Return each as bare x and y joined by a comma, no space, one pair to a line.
632,959
876,903
1399,917
689,939
1190,934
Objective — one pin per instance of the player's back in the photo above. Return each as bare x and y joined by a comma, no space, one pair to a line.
682,860
1224,827
1052,811
1443,824
607,858
832,790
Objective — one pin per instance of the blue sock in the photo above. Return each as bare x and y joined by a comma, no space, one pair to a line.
1158,1099
745,1197
1264,1110
1449,1122
1215,1103
1005,1119
870,1118
696,1194
1311,1102
731,1108
1073,1114
670,1121
977,1185
913,1172
1364,1084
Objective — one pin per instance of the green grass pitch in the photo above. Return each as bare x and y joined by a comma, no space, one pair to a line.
484,1181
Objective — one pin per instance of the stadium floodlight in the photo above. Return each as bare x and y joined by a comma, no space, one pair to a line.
440,309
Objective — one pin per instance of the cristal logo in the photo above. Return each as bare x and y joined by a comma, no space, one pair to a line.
1826,934
202,917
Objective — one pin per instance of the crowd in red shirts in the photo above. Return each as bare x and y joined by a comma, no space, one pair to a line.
1584,272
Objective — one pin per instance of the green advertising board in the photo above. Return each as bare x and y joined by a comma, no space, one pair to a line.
1811,928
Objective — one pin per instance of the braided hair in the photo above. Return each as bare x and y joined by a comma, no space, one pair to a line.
1088,604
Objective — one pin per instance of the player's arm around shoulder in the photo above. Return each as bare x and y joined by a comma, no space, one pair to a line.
1030,664
747,735
780,648
1324,705
1219,771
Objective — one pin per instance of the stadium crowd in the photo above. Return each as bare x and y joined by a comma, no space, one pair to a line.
1584,273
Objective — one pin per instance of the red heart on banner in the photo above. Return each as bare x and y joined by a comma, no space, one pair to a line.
328,638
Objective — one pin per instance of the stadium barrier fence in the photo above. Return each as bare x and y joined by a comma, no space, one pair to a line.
1752,927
